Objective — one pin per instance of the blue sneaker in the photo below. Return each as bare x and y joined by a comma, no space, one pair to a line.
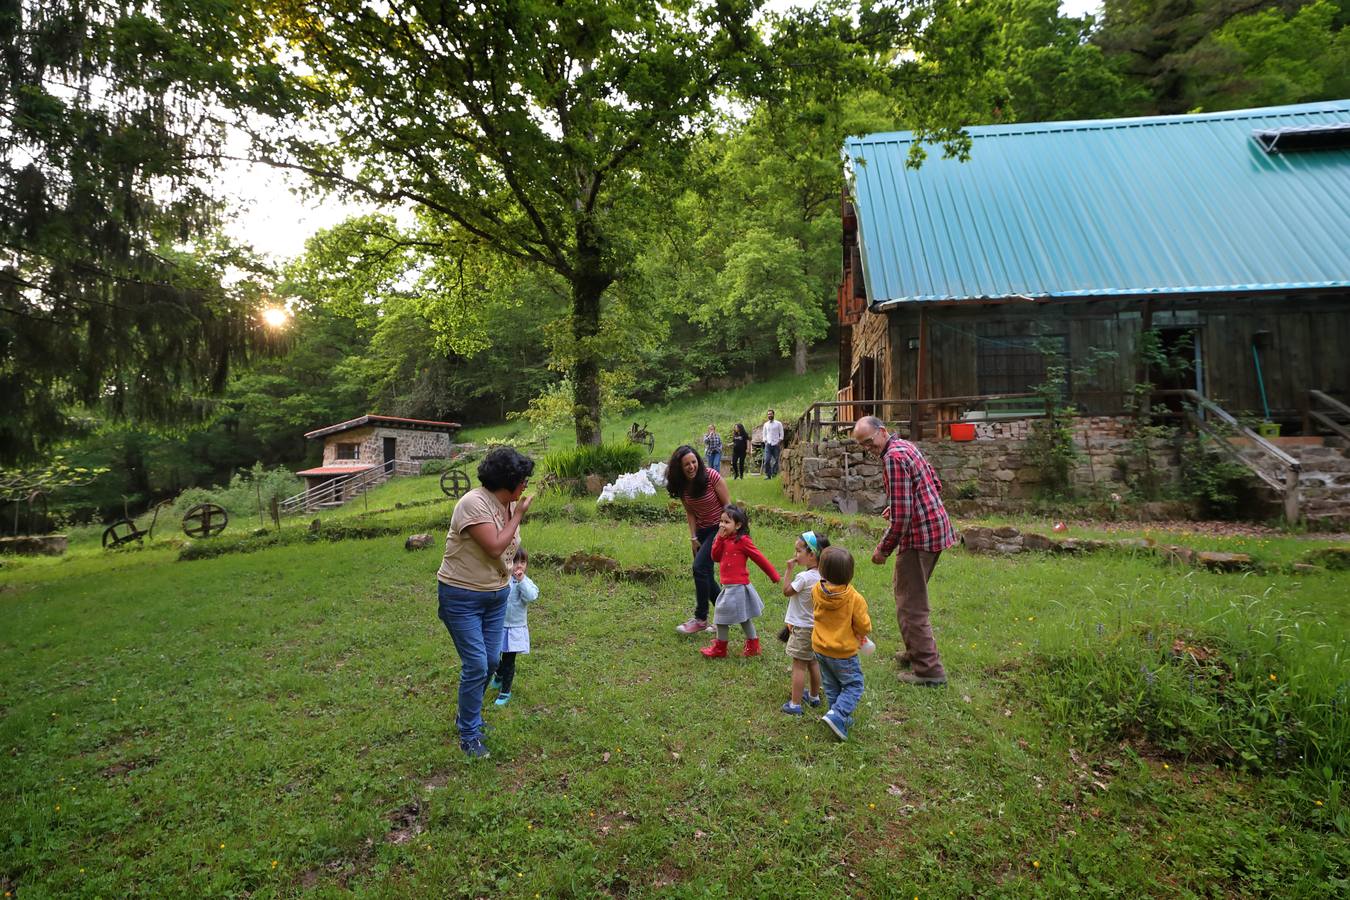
791,708
496,683
502,699
813,701
474,749
837,724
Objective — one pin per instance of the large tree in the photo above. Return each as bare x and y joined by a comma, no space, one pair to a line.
524,124
102,302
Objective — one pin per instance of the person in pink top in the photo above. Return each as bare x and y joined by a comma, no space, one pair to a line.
738,603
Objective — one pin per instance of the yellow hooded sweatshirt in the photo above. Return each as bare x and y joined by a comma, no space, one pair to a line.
841,615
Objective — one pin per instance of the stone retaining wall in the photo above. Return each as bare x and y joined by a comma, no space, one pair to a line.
995,468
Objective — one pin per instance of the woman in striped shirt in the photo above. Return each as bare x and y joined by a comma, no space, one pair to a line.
704,495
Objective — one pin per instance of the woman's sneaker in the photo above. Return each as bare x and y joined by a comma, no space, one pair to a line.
693,626
502,699
475,749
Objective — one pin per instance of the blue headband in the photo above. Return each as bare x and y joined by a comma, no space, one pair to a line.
810,538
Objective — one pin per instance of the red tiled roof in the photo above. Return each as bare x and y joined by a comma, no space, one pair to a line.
395,421
334,470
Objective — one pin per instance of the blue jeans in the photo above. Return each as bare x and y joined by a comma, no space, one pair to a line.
771,452
705,582
715,460
474,620
843,683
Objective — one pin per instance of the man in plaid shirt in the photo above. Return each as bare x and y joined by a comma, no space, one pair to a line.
920,531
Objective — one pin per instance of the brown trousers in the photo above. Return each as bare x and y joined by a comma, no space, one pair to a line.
913,568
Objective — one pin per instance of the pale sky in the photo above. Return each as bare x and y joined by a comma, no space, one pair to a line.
277,221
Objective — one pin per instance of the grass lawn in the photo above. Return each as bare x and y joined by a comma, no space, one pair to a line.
685,419
265,723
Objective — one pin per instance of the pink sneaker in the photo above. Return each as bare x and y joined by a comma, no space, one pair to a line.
693,626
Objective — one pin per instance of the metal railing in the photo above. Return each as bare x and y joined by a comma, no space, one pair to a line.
1271,464
834,417
345,487
1324,410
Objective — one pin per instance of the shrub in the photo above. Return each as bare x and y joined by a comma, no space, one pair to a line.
240,496
600,459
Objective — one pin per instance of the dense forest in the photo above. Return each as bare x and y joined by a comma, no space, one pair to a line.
585,206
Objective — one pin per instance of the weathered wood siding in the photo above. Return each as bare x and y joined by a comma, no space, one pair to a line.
1308,346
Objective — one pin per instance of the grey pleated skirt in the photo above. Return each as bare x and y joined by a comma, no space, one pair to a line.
736,603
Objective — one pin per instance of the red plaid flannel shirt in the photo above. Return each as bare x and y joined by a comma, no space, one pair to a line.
914,493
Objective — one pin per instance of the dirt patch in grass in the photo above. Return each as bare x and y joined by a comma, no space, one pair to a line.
118,769
405,823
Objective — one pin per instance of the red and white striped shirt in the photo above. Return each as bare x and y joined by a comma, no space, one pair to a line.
706,510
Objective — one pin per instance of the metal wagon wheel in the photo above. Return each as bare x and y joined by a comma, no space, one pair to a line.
205,520
455,483
121,532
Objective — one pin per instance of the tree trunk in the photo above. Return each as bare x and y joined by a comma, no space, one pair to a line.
589,281
799,358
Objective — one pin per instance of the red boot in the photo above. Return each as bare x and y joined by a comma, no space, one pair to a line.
751,647
715,650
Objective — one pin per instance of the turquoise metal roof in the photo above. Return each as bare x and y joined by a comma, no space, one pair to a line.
1163,205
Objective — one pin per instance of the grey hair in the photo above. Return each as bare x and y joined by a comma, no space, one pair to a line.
872,421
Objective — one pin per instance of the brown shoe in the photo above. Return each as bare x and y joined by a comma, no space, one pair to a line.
902,659
921,680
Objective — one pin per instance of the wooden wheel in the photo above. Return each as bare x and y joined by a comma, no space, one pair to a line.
121,532
205,520
455,483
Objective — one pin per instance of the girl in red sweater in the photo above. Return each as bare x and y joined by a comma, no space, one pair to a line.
738,604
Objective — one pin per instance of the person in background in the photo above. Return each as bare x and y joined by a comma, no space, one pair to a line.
712,444
740,446
773,444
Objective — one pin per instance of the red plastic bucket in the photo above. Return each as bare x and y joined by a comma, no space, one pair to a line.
963,431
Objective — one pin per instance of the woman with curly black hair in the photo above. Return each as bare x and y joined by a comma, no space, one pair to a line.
473,580
704,495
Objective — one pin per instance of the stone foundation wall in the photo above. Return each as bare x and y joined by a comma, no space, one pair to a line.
995,468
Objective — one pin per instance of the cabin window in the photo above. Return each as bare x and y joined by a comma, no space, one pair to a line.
348,451
1015,364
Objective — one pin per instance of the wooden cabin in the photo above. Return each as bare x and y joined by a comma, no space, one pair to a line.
1226,235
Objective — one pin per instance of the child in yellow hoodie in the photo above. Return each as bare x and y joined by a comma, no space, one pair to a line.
841,626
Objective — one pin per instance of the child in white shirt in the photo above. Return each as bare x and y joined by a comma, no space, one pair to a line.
800,619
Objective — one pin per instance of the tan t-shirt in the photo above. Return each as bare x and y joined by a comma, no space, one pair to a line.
466,564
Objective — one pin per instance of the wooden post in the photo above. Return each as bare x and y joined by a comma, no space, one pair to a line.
920,384
1291,511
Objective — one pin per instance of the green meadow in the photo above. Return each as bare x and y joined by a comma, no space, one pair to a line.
280,721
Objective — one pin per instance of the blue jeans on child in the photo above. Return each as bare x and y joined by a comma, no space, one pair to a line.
714,461
843,683
474,620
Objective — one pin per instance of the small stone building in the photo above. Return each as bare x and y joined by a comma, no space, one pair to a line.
364,443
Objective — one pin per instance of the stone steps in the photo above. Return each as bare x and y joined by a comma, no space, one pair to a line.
1324,480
